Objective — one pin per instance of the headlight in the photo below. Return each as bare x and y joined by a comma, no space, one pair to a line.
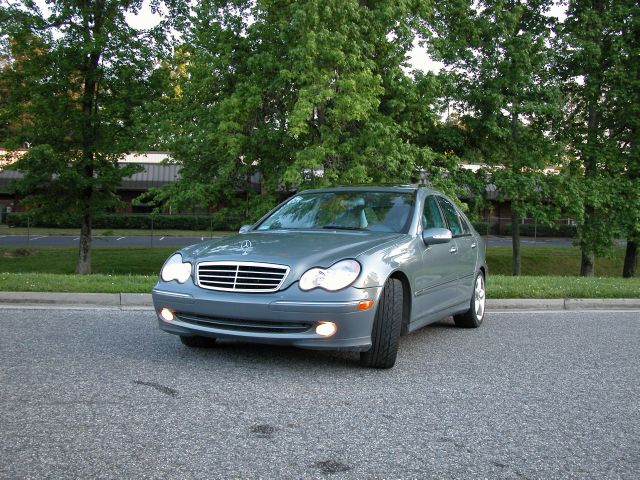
175,269
336,277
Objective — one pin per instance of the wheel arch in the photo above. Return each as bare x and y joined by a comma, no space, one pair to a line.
406,299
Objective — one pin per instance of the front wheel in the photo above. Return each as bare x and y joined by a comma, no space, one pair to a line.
385,335
474,316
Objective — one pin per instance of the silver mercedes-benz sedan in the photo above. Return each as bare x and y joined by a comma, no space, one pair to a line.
348,268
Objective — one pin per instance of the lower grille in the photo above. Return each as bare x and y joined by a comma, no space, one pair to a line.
243,325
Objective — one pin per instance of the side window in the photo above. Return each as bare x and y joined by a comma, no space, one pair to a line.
453,219
431,216
466,229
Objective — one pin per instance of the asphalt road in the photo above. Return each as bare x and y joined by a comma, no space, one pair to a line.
24,241
105,394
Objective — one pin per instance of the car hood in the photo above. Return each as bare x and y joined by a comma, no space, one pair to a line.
300,250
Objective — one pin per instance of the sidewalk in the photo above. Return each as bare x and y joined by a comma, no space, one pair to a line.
138,301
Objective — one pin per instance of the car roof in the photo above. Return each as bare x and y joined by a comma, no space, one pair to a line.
370,188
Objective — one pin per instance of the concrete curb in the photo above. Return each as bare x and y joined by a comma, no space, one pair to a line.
572,304
76,299
143,300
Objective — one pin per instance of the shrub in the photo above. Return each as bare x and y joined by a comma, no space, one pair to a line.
528,230
481,227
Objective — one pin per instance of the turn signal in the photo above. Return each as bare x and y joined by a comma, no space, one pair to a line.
365,304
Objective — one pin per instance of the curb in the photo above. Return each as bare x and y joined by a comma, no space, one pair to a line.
570,304
137,300
88,300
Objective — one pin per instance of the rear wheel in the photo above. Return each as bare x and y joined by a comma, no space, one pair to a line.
385,335
197,342
474,316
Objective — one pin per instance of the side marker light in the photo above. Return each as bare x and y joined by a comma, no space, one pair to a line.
365,304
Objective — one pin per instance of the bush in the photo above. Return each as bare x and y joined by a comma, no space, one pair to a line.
481,228
528,230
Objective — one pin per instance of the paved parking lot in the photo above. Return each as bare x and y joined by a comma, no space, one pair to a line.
105,394
23,241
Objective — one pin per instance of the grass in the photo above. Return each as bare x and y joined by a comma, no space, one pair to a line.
548,272
106,260
56,282
554,261
498,286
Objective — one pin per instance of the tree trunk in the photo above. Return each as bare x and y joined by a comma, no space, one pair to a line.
84,251
630,259
586,264
516,259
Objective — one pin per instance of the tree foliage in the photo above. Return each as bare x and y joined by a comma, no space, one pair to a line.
307,93
498,54
76,81
598,64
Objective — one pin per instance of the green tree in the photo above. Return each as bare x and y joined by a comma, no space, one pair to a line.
306,93
78,76
598,61
624,125
498,54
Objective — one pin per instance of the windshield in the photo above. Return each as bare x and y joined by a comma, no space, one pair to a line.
345,210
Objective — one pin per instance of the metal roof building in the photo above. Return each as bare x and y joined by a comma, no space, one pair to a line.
156,172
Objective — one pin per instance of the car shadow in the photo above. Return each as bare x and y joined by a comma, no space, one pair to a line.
163,348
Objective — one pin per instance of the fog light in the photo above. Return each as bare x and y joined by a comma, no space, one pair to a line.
326,329
166,315
365,304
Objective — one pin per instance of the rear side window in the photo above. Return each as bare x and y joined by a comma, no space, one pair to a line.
431,216
453,219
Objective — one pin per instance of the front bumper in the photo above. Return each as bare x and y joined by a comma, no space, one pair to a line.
287,317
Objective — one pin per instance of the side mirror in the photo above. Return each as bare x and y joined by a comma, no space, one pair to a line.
245,228
436,236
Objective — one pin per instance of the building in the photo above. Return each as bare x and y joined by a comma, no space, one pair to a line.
156,173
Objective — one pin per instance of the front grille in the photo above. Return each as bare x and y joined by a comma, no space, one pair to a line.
241,276
243,325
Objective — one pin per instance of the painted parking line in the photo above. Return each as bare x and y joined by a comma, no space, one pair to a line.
162,238
117,239
77,238
37,238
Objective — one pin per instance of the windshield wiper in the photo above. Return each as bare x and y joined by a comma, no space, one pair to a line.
340,227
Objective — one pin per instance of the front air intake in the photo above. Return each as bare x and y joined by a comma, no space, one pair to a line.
248,277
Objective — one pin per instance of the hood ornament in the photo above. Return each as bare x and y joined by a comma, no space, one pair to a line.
245,245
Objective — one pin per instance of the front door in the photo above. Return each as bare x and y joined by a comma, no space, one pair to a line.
464,260
435,283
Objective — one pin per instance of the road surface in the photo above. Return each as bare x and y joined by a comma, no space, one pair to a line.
105,394
31,241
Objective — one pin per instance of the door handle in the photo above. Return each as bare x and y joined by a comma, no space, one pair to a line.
453,250
474,245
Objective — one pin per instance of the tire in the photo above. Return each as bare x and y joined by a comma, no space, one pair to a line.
385,335
473,317
197,342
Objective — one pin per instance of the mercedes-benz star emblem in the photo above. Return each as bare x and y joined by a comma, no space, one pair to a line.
245,245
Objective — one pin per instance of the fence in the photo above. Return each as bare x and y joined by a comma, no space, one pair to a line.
529,227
